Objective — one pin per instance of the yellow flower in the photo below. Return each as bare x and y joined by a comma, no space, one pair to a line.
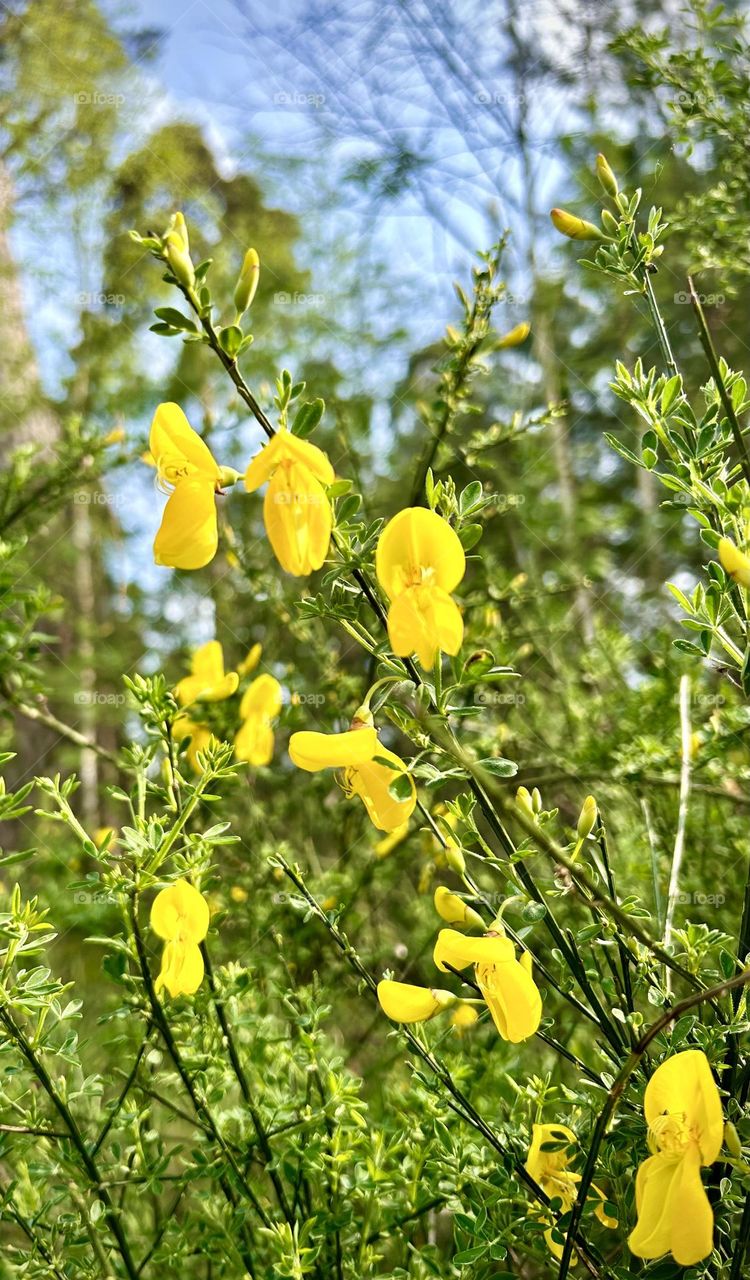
177,247
179,915
200,736
419,561
506,983
188,535
575,228
402,1002
454,910
238,894
261,703
464,1017
249,663
207,682
686,1129
296,510
547,1162
360,754
735,562
389,842
515,337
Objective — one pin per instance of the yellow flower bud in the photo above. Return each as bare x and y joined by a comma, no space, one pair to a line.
178,257
732,1140
247,282
403,1002
454,910
587,818
735,562
515,337
524,800
575,228
606,176
455,858
463,1017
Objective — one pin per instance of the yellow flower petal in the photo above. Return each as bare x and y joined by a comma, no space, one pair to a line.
207,682
188,536
254,740
402,1002
181,969
417,546
457,950
736,563
249,663
513,999
285,447
180,912
173,442
262,698
674,1213
683,1086
423,620
314,751
543,1164
298,519
454,910
371,781
464,1016
391,840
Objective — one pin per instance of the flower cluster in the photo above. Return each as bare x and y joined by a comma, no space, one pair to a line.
208,682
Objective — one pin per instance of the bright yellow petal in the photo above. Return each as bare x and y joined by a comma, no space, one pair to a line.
736,563
371,782
254,741
513,999
314,751
188,535
415,547
606,1219
181,969
309,456
402,1002
423,620
249,663
674,1214
457,950
172,438
684,1086
261,698
263,465
541,1164
454,910
298,519
180,911
208,681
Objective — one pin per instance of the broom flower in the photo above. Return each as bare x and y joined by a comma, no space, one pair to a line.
207,682
506,983
260,705
188,535
296,510
419,561
180,916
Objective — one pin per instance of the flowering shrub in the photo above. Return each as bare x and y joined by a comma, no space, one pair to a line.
576,1086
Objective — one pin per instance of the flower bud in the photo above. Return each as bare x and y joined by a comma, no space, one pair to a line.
606,176
536,800
734,562
610,223
515,337
575,228
587,818
247,282
455,858
454,910
178,255
732,1140
524,801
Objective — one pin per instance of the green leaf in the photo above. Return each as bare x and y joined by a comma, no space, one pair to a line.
499,767
307,417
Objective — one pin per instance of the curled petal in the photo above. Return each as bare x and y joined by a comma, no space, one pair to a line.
402,1002
418,545
172,437
423,620
207,681
371,781
188,535
181,969
180,911
314,751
